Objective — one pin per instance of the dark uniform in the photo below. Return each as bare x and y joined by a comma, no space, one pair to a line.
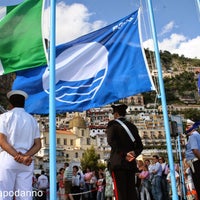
123,172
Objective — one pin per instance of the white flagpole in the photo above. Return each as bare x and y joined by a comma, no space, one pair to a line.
198,4
164,105
52,110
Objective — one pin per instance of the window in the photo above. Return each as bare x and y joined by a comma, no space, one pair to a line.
71,142
46,152
45,140
88,141
101,140
58,140
82,133
65,142
76,155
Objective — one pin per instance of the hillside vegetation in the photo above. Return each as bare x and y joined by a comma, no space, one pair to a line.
181,83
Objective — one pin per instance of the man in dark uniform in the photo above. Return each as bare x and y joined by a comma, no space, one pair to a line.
123,153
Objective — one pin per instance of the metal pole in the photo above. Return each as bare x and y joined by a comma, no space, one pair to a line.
52,112
164,105
198,4
181,167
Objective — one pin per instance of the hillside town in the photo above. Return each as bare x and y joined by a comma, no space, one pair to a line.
76,132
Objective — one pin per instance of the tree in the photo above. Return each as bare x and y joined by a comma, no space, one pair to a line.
90,159
192,114
166,59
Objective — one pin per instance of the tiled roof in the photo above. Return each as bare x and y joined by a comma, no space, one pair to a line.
66,132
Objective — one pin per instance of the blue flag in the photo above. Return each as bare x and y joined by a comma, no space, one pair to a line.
94,70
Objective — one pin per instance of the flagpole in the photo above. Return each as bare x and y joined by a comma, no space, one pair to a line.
52,112
198,4
183,189
164,105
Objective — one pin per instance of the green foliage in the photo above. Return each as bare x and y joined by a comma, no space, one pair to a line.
195,62
166,59
102,165
90,159
179,89
149,97
5,86
192,114
182,85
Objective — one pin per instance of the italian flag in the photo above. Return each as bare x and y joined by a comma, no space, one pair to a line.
21,42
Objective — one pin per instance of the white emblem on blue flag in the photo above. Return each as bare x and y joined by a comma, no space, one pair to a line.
80,71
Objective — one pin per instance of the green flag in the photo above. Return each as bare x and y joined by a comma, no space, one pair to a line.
21,42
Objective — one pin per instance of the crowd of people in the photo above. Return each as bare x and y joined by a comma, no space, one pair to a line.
132,178
152,182
75,184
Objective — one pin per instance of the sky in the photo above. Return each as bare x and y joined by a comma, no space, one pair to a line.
177,22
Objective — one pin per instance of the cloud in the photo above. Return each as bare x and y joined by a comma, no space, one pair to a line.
72,21
2,12
178,44
167,28
190,48
173,42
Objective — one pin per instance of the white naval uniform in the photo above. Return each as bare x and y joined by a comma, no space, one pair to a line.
21,129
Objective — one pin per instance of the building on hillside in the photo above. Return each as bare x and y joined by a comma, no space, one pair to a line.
136,100
71,143
83,130
179,108
193,69
64,139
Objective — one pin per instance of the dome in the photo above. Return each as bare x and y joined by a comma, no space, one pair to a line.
78,122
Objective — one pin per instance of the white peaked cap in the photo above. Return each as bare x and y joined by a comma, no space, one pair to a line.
19,92
189,122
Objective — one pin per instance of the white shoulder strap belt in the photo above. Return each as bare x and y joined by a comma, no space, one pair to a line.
126,128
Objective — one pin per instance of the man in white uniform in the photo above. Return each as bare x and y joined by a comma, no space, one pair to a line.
43,184
19,141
